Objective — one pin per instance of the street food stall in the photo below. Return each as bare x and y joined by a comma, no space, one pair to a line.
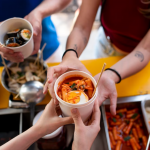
130,109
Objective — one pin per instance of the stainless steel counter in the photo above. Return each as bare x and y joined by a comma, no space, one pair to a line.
102,139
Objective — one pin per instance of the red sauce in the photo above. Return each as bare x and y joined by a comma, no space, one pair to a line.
70,79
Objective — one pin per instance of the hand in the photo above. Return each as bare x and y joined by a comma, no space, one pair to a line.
107,89
10,55
70,62
85,135
35,18
50,121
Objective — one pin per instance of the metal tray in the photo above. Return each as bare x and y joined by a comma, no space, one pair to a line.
126,102
144,103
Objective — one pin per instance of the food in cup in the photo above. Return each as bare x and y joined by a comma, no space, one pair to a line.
126,129
26,71
17,37
76,89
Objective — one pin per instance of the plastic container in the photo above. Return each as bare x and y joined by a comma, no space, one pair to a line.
146,103
17,23
57,140
85,109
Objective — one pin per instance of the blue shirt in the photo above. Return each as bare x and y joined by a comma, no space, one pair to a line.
21,8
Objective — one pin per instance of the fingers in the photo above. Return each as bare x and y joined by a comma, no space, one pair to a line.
59,70
37,34
113,103
66,120
95,120
76,117
45,87
7,51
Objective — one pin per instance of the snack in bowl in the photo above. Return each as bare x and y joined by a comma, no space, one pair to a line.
76,90
17,34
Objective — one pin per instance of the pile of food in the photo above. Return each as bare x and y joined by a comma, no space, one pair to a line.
126,130
76,90
17,37
27,71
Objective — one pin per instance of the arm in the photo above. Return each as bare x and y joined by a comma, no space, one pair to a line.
136,60
126,67
35,17
79,36
85,135
48,122
49,7
77,40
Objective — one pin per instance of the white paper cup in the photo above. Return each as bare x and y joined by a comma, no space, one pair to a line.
17,23
85,109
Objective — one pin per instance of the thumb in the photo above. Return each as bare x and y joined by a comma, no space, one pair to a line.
113,102
36,28
76,117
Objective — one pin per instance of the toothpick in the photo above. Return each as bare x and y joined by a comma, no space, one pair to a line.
38,55
5,66
16,96
99,78
41,73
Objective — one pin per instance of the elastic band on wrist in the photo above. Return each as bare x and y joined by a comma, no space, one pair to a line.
68,51
116,73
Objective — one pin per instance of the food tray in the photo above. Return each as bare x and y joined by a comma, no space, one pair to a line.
127,102
144,103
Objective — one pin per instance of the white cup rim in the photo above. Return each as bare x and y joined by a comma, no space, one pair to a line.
18,18
76,105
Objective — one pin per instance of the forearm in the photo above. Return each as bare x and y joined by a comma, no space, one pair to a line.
79,36
136,60
49,7
77,40
24,140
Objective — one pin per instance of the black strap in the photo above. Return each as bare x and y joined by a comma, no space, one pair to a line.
116,73
70,50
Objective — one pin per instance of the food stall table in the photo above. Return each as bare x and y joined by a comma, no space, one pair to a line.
138,84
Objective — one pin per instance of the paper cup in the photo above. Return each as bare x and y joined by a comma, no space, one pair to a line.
85,109
17,23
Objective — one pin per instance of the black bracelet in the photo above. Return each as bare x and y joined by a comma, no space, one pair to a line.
116,73
70,50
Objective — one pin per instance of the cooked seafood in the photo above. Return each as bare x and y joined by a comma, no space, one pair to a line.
76,90
20,75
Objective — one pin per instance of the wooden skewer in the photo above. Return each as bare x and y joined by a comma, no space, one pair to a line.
6,67
38,55
41,73
16,96
99,79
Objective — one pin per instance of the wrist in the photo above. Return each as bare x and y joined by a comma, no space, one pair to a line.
111,75
70,55
38,13
40,131
81,147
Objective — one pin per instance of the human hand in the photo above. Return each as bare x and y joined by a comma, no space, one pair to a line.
107,89
10,55
35,18
85,134
70,62
50,121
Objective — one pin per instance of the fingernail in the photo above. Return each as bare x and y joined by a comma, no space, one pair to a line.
74,110
35,33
